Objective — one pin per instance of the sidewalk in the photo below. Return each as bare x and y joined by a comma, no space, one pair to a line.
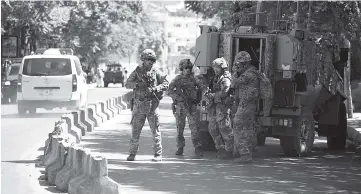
269,173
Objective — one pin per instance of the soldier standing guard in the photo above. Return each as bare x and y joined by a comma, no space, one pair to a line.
247,92
185,91
148,84
219,112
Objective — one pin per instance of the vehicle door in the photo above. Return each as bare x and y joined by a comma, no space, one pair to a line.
81,81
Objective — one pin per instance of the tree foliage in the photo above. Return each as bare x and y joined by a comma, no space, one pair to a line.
93,29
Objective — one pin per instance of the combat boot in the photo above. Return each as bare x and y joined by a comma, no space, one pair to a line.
131,157
198,152
179,152
157,158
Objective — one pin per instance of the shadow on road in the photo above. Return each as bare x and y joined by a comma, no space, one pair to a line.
271,172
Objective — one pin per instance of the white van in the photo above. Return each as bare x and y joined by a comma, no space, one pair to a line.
49,81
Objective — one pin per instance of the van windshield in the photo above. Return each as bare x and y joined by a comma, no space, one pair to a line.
47,67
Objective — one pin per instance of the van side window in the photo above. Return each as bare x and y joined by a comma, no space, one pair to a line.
78,66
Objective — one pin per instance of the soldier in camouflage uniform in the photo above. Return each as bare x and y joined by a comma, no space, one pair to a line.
246,86
219,113
148,84
184,90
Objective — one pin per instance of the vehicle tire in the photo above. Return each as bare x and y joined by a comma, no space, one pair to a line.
21,111
106,84
339,142
301,144
261,139
207,141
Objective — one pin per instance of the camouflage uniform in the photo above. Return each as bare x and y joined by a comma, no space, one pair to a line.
148,83
219,113
246,86
184,90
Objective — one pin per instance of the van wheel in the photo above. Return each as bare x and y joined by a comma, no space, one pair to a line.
339,142
106,84
302,143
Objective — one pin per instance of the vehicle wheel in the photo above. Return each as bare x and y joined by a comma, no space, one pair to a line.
207,141
261,139
21,111
106,84
339,142
301,144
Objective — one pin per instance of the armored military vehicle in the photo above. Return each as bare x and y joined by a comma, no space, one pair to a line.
307,82
114,74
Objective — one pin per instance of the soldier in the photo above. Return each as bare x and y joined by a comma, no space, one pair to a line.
184,90
246,85
148,84
219,113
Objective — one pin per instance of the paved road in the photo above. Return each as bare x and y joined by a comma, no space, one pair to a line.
271,172
20,137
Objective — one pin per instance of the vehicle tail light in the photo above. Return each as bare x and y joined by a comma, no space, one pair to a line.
74,83
20,86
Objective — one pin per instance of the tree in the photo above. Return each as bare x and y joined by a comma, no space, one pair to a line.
153,39
97,29
16,20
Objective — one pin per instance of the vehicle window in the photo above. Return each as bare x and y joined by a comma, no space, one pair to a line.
47,67
78,66
14,70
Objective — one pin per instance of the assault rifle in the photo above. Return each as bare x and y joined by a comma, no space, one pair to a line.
147,81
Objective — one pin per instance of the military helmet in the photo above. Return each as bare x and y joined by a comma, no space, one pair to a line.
220,62
185,63
147,54
242,56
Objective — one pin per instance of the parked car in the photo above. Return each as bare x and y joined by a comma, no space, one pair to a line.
50,80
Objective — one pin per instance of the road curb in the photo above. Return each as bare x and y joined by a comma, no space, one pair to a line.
71,168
